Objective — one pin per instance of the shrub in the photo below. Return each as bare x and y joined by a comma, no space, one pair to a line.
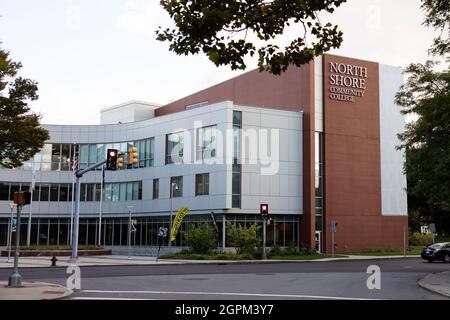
245,239
201,238
275,251
419,239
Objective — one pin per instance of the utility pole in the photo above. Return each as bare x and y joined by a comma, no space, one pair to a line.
10,229
264,210
33,182
129,231
15,280
21,198
172,186
101,208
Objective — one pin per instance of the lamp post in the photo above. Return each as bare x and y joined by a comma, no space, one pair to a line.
10,229
172,185
129,230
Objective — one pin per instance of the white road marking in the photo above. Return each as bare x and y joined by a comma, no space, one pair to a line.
107,298
227,294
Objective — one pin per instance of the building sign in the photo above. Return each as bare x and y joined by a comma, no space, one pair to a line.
347,82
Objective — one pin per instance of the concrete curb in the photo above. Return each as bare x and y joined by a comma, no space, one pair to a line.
142,262
435,283
34,290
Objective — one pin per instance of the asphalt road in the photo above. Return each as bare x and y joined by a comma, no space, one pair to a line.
307,280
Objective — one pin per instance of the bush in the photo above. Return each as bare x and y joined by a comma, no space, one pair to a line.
419,239
245,239
275,251
201,238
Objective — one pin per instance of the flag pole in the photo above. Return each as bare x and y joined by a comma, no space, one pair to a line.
33,182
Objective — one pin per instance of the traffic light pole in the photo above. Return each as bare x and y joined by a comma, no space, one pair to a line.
76,214
15,280
264,254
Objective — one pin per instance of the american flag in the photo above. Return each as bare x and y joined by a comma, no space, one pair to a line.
74,164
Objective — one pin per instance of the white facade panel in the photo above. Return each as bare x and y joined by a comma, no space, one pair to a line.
392,122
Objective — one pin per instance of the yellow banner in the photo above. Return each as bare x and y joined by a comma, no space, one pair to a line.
177,222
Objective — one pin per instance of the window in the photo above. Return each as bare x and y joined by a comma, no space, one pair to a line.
56,156
4,191
44,192
46,157
155,188
98,191
90,193
123,192
236,174
115,192
202,184
54,192
129,191
174,148
206,143
135,190
84,156
65,157
176,187
64,192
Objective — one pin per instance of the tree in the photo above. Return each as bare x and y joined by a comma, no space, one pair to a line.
438,16
219,28
20,134
201,238
245,239
426,95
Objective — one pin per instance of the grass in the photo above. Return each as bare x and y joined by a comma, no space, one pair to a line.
56,248
211,256
411,251
306,257
232,256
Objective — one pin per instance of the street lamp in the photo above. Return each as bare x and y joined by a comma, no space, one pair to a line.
172,185
129,231
10,228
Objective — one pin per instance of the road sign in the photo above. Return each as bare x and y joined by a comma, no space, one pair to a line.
333,226
14,224
432,227
162,232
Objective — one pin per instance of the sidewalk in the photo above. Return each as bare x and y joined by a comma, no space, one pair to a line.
437,283
33,291
120,260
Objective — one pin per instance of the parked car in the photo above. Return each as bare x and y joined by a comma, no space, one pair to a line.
437,251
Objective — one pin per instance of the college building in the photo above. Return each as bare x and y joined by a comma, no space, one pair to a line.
317,144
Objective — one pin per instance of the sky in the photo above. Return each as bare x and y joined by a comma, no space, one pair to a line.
91,54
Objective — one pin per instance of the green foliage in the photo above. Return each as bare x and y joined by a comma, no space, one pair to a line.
245,239
426,95
438,16
201,238
219,29
417,220
419,239
20,134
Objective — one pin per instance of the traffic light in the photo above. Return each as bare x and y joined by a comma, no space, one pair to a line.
111,159
133,156
120,162
264,211
22,198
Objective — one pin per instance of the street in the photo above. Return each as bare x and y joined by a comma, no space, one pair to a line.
311,280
